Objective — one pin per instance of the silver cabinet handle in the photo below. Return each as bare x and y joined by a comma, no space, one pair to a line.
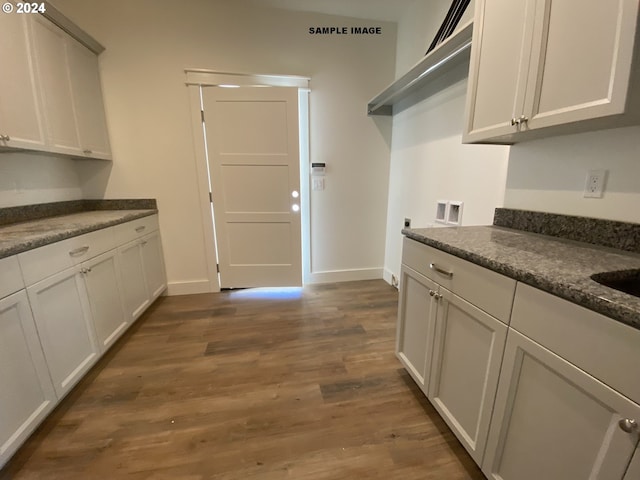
514,122
140,229
628,425
431,293
87,152
437,296
5,138
143,243
79,251
436,268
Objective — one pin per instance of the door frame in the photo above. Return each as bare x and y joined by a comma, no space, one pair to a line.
196,80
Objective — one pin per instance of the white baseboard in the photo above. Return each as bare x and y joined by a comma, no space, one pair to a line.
387,274
188,288
331,276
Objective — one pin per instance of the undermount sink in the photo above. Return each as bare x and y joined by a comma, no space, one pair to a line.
627,281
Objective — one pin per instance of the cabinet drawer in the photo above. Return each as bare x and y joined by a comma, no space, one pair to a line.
126,232
484,288
601,346
39,263
10,276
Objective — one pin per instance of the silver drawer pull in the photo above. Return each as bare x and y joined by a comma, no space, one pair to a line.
140,229
87,152
79,251
435,267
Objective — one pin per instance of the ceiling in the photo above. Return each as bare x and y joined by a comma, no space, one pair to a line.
381,10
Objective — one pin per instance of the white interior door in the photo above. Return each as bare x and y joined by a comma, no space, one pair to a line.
253,154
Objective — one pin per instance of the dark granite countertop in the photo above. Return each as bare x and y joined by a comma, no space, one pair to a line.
559,266
19,237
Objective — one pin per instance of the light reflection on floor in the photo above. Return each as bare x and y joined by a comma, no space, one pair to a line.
271,293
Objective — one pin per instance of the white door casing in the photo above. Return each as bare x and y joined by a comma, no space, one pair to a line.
253,154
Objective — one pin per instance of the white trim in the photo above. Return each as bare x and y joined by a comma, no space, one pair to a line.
203,190
190,287
350,275
211,78
305,195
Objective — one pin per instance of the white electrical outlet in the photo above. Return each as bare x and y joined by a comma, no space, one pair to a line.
594,185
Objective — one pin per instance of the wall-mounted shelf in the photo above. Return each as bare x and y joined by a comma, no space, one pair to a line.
449,54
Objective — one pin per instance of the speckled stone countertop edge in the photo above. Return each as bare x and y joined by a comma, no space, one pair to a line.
21,247
572,293
39,211
596,231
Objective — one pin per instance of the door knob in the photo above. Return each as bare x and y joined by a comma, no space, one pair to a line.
628,425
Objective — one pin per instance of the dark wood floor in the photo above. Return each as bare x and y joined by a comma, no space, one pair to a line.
243,385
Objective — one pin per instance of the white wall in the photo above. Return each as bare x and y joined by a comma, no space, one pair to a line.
149,43
28,178
428,160
549,175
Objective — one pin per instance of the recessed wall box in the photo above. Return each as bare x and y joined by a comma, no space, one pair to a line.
442,211
454,215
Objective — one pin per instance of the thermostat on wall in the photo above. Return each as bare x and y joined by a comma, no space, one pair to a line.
318,168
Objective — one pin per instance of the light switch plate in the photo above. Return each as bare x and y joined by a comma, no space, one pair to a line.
317,183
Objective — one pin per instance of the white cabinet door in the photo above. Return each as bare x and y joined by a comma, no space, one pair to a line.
502,35
101,275
26,392
132,279
633,471
87,95
62,315
20,115
467,354
153,262
581,61
553,420
50,47
416,318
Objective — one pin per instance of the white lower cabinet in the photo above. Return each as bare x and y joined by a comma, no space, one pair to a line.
26,395
416,319
132,278
81,295
467,353
554,421
153,264
142,277
451,347
547,391
633,471
62,314
101,276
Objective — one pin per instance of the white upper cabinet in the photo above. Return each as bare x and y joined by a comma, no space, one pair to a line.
21,123
87,97
50,48
542,68
52,100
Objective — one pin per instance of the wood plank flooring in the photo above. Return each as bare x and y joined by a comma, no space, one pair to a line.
247,385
